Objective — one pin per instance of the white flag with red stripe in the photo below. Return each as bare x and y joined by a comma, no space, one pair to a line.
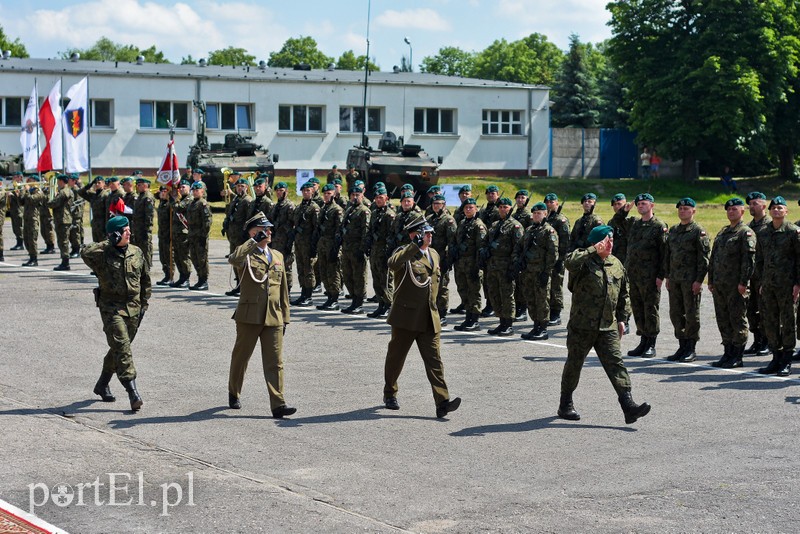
51,157
29,136
169,173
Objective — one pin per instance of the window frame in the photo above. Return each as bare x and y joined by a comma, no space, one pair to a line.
154,114
217,116
93,105
351,120
500,120
437,115
308,112
23,102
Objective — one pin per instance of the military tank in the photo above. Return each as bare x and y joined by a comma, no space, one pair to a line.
10,164
238,152
395,163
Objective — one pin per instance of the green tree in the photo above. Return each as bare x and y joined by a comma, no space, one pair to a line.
532,60
450,61
188,60
349,61
16,47
299,50
576,99
231,56
107,50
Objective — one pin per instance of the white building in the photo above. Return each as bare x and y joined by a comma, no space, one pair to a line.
310,118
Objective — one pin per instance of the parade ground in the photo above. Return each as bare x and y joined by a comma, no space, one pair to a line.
717,453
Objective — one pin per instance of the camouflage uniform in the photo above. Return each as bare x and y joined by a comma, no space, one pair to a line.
732,263
306,219
110,199
130,201
31,201
647,243
688,250
263,204
355,231
599,302
63,219
535,255
143,215
15,210
164,254
76,207
123,294
180,236
560,224
581,229
380,229
468,241
398,237
328,236
3,203
523,216
236,213
444,231
500,240
333,175
489,214
97,203
283,221
198,216
350,178
317,199
754,302
621,223
46,227
458,215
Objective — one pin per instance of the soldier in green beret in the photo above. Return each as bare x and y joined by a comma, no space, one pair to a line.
179,204
95,193
444,231
328,237
32,199
730,269
464,193
523,215
380,230
408,209
464,257
560,224
144,211
355,232
351,176
164,250
76,209
337,196
129,197
114,195
63,220
15,210
334,174
283,220
199,218
122,296
496,261
306,220
686,265
316,197
600,309
621,223
262,202
236,213
584,225
757,204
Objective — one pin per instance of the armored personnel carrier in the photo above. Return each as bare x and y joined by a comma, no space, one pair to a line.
10,164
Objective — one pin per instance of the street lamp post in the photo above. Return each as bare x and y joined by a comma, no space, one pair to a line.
410,55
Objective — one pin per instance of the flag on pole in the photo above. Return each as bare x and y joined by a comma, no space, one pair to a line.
29,136
76,128
51,157
169,173
119,208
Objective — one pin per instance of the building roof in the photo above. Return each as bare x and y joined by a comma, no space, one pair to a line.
211,72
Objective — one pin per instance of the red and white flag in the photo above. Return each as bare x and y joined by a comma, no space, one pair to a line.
119,208
76,140
169,173
29,135
51,157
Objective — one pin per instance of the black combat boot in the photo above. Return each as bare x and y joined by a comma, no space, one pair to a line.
75,252
678,353
494,331
443,317
333,303
753,349
689,354
640,348
63,266
488,310
133,394
774,365
103,388
632,410
470,324
377,312
167,280
317,288
726,357
506,327
234,292
566,410
181,283
355,307
2,258
19,245
520,314
327,302
374,299
233,402
458,310
736,357
305,300
50,249
33,262
540,334
785,368
763,347
555,318
650,350
534,331
201,285
796,357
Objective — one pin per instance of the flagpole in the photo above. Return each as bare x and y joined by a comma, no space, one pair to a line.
172,180
88,128
61,122
38,152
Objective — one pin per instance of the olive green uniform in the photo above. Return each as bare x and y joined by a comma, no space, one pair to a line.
130,201
110,199
579,236
350,179
180,236
468,241
355,232
263,204
333,175
144,210
3,203
164,254
329,242
380,229
46,225
444,231
398,237
198,216
15,211
306,220
32,200
560,224
500,240
97,204
732,263
123,294
621,224
688,250
76,207
647,244
282,231
62,217
236,213
754,302
523,216
599,302
534,257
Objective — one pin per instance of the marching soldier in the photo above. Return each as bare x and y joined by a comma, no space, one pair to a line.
334,174
757,203
46,226
535,256
489,214
283,220
495,256
464,193
32,199
464,257
444,232
262,202
355,229
95,194
381,222
235,216
560,224
523,216
647,247
63,220
584,225
621,223
731,266
688,250
198,217
15,210
414,317
328,238
600,309
76,209
778,269
164,252
306,220
122,296
144,210
179,203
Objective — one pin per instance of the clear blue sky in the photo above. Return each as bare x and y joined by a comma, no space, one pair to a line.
195,27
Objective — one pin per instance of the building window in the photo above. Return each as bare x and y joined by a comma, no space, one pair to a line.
300,119
102,114
11,111
351,119
434,121
229,116
157,114
502,122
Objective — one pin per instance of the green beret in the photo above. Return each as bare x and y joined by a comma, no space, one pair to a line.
407,194
264,175
334,167
241,181
617,198
75,176
337,181
99,178
357,182
200,171
281,185
549,197
734,202
465,188
163,188
137,173
357,189
777,201
599,233
116,224
755,195
143,181
17,173
470,200
407,187
686,202
643,196
233,173
259,181
492,189
588,196
539,206
328,187
379,184
434,189
112,179
62,177
381,191
307,185
505,201
184,182
126,179
522,192
439,198
314,180
198,185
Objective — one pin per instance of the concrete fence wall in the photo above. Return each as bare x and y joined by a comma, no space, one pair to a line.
575,152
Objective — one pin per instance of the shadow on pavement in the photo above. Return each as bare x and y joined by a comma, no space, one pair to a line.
363,414
528,426
202,415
